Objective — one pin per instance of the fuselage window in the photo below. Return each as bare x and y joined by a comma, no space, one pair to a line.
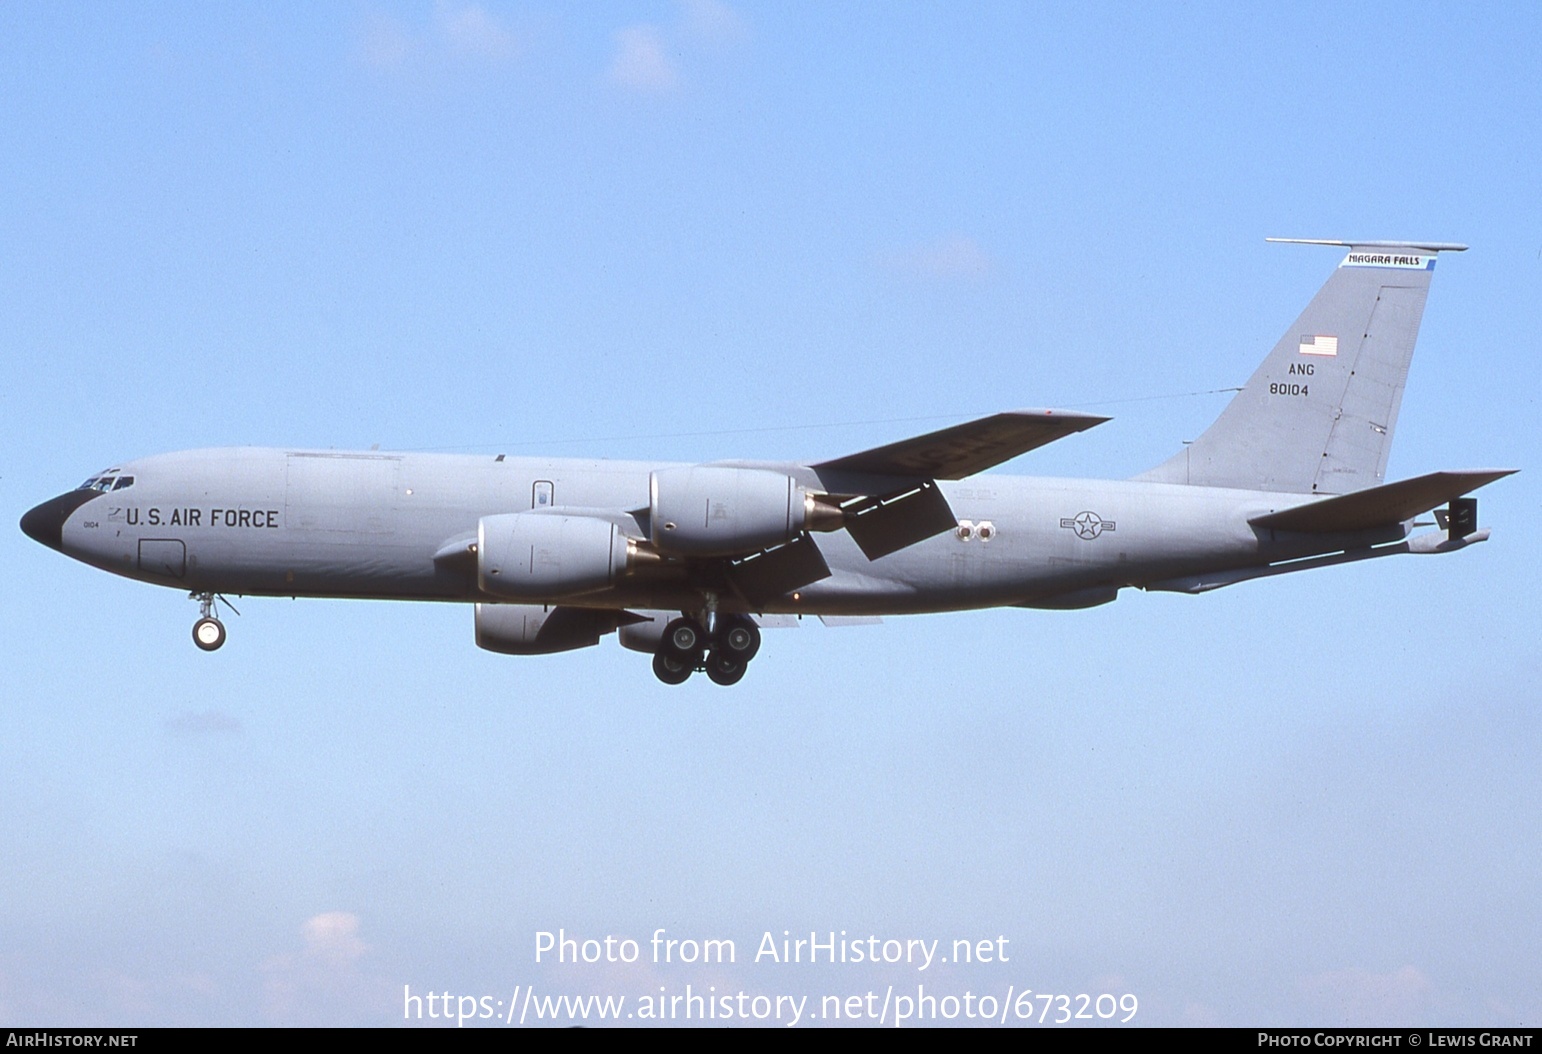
123,481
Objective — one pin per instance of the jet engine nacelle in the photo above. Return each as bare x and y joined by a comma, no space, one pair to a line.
716,510
647,635
532,629
548,555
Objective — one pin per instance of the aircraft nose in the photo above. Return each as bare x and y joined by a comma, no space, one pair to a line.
45,523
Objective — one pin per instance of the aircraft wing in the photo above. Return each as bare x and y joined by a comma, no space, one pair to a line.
1380,506
963,450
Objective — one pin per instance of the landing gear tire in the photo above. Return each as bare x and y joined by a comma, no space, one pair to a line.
684,640
738,637
209,633
725,669
670,669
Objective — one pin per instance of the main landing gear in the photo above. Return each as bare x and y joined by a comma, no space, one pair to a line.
209,631
725,653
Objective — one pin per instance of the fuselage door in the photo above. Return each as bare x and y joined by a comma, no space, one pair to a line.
163,557
542,495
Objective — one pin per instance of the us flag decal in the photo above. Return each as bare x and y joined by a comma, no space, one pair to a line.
1319,345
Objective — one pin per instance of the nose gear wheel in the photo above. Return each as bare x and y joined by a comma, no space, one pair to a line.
209,632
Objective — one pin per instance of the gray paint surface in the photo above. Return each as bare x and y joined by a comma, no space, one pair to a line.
1316,419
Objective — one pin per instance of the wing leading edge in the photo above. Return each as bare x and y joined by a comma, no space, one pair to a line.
897,502
963,450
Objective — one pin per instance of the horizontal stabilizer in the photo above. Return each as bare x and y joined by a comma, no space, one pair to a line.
1381,506
965,449
1428,247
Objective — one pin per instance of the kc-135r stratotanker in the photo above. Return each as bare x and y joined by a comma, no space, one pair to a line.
687,562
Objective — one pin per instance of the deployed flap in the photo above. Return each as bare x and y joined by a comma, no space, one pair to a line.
965,449
1380,506
764,576
891,522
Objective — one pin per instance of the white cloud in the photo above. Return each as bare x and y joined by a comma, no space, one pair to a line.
955,256
322,983
385,43
463,31
1361,997
641,62
333,937
712,21
472,31
1199,1015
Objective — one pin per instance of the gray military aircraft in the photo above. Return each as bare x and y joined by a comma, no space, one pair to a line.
687,562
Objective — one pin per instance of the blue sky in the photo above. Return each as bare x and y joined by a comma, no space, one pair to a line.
694,231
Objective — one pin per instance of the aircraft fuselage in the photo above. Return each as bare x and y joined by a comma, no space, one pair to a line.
689,561
369,525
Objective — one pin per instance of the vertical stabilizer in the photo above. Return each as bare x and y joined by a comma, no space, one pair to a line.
1317,416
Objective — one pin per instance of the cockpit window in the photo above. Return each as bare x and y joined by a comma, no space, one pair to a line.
107,481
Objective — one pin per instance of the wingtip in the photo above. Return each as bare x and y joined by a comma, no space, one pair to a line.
1067,415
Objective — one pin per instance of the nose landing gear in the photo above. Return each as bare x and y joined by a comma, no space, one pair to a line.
209,632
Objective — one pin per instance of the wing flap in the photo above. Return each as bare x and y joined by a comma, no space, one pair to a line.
1382,506
963,450
886,524
764,576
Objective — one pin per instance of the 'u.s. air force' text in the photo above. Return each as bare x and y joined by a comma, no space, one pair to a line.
155,516
827,947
